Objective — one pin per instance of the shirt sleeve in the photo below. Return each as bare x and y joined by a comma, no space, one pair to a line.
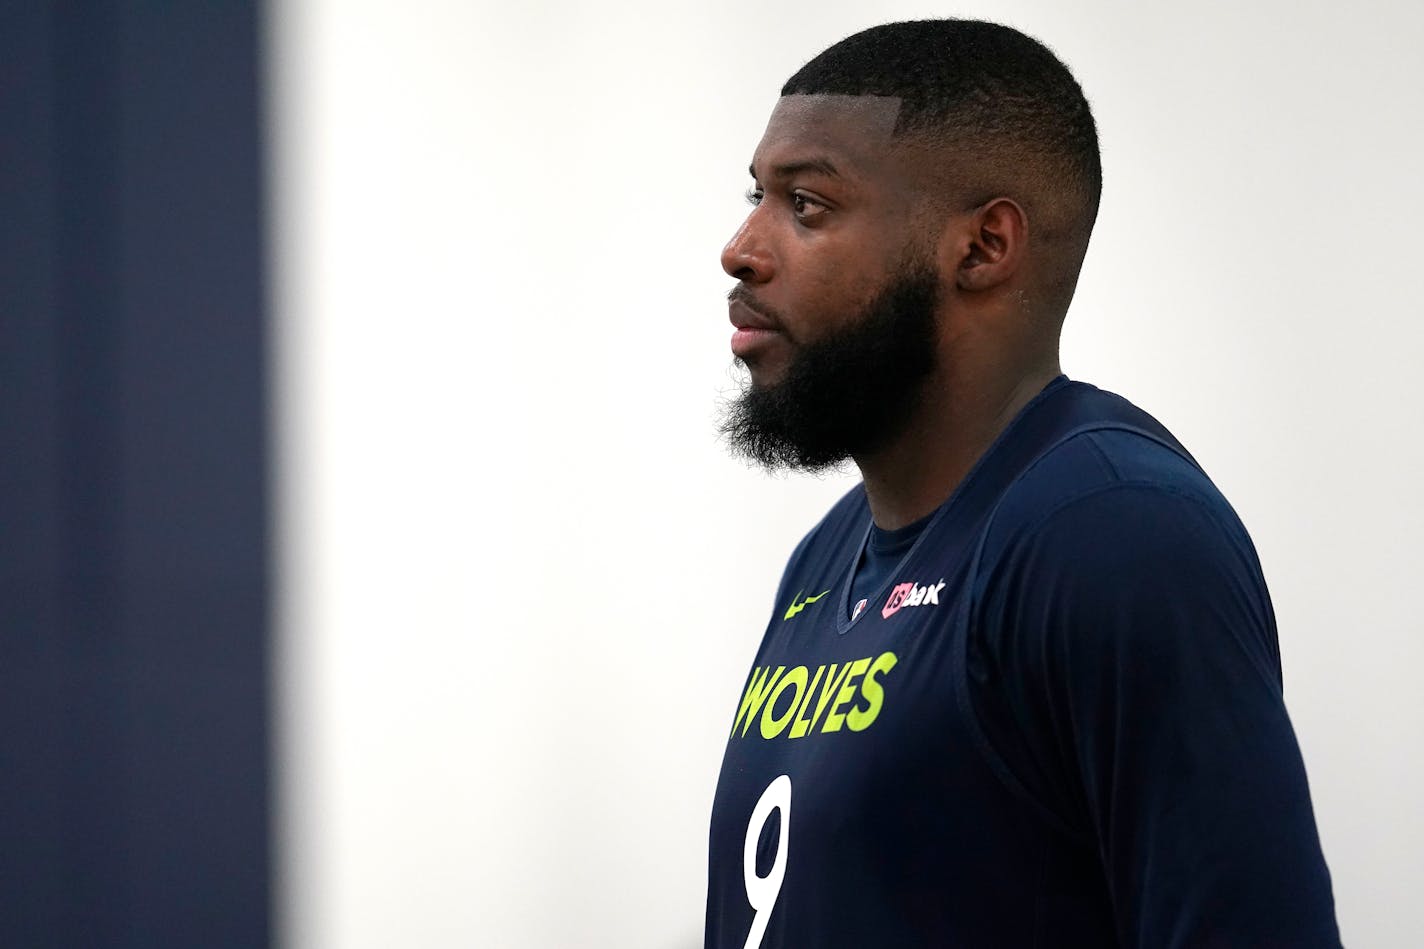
1124,670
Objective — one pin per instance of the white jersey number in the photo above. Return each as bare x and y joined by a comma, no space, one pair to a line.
763,891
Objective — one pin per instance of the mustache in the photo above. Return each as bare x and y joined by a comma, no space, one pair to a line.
740,294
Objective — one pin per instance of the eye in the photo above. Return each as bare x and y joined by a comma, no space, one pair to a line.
754,196
806,207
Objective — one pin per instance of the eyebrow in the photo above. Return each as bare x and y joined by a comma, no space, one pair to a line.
823,165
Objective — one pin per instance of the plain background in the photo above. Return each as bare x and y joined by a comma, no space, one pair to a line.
521,583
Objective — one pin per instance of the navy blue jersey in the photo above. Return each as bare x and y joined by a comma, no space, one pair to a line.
1057,723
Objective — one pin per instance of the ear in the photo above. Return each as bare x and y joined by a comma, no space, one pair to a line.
989,246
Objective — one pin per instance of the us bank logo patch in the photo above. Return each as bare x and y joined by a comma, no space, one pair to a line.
911,594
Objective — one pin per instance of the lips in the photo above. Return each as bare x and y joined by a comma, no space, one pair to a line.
756,331
743,317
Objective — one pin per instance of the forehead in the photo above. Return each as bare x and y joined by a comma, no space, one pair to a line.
853,132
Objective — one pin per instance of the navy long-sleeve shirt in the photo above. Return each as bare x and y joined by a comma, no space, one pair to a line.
1056,721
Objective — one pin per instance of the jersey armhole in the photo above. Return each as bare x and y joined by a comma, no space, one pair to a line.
959,669
964,623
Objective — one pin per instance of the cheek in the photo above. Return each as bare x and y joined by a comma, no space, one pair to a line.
828,278
836,295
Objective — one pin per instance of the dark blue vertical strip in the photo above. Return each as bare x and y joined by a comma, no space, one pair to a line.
133,528
88,320
34,686
193,523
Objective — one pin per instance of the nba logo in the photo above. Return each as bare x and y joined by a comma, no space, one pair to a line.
855,614
897,599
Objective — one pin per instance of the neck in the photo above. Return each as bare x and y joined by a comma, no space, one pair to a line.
956,423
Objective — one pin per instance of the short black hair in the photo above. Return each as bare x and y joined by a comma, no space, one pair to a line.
978,86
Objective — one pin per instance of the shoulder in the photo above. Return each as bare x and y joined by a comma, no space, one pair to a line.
1115,542
1116,518
1115,558
1111,488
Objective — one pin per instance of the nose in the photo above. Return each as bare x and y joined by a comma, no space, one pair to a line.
746,255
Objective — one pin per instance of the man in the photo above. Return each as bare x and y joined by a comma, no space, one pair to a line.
1021,686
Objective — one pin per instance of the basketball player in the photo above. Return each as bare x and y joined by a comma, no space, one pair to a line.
1020,687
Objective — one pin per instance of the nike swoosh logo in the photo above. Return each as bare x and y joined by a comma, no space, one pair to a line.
795,607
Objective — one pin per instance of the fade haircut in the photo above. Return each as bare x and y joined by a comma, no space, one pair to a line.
987,92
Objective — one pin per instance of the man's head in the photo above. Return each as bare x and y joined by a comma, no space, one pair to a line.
919,185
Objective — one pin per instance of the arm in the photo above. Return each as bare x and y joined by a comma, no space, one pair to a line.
1129,675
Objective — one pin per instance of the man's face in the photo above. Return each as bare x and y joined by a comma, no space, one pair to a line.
835,302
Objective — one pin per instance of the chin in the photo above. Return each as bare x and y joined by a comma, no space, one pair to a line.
764,373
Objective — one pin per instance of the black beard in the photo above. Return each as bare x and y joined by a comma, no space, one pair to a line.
848,394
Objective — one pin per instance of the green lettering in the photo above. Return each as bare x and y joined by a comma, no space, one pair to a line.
757,690
827,690
801,726
847,692
859,719
771,727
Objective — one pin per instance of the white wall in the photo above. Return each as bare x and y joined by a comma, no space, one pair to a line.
520,582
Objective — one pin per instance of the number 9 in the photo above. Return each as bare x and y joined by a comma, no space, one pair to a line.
763,891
